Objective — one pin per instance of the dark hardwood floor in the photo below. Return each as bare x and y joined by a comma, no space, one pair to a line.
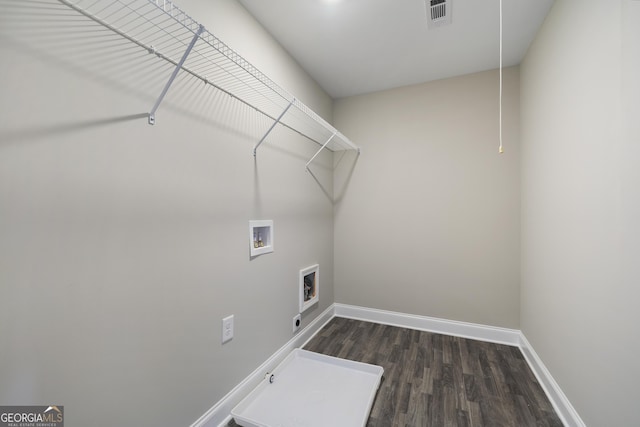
439,380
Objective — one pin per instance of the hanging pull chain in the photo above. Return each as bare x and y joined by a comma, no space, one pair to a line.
500,149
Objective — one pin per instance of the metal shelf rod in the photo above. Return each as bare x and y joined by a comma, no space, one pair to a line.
272,126
205,80
321,148
152,113
159,25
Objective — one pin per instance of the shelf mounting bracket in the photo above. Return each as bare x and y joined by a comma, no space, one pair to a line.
321,148
152,113
255,149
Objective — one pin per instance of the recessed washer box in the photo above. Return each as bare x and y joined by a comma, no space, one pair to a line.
312,390
261,236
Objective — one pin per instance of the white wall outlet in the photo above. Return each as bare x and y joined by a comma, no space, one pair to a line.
297,322
227,329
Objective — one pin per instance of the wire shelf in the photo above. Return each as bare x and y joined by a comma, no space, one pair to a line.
162,28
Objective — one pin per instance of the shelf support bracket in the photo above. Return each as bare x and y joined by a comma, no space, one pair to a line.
152,113
255,149
321,148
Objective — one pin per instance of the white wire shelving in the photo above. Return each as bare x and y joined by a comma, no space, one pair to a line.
162,28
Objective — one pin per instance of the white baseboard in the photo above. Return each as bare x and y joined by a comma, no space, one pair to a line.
219,414
514,337
561,404
431,324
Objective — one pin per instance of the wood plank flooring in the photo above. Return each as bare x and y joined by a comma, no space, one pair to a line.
439,380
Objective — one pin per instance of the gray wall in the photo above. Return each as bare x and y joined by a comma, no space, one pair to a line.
581,204
123,245
428,222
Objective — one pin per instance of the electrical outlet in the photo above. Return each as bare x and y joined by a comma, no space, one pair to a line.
297,322
227,329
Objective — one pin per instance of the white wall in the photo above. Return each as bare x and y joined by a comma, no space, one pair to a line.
581,204
122,244
428,221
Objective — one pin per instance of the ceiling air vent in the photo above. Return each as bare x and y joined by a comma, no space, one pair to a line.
438,12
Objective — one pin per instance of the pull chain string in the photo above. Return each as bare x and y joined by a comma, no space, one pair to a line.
500,149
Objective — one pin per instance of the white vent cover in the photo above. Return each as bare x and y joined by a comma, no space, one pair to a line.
438,12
